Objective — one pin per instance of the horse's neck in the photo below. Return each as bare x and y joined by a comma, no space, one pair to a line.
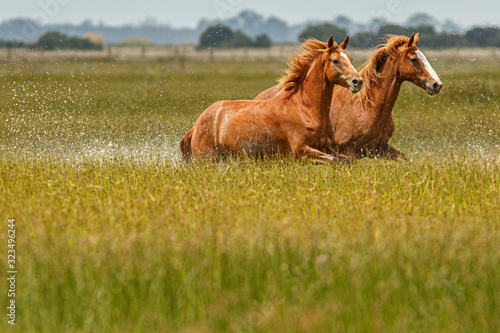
315,92
382,97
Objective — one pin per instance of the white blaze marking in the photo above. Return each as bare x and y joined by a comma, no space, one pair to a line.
428,66
347,58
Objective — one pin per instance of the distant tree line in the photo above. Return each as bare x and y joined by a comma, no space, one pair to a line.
11,44
251,24
429,37
221,36
54,40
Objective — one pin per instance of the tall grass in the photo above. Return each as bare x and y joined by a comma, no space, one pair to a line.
116,235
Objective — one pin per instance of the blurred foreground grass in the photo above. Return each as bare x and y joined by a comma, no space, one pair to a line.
115,235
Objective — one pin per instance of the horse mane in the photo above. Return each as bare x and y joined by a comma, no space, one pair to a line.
389,49
299,65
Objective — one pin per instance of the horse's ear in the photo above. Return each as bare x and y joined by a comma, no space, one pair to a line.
411,40
417,39
345,43
330,42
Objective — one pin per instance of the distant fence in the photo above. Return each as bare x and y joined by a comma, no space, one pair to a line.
152,53
190,53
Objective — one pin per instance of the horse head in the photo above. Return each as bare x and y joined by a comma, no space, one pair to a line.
338,66
414,67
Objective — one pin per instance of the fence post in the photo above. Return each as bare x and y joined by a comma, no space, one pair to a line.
109,53
176,54
211,56
245,54
75,51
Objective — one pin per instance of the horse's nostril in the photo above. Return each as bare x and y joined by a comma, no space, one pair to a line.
355,82
437,86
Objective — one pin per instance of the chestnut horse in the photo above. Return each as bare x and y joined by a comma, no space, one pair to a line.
295,122
363,124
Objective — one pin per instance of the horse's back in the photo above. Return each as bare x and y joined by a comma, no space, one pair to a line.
267,94
248,126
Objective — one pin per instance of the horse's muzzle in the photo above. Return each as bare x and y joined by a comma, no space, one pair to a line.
433,88
356,84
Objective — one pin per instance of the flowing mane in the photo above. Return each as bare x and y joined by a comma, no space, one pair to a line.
391,49
299,66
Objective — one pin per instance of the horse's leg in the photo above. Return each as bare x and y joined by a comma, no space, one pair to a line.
308,153
389,152
349,152
341,157
205,153
203,147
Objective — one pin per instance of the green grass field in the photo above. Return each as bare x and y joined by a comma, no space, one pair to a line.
114,234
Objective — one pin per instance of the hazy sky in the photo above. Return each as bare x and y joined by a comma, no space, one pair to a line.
187,13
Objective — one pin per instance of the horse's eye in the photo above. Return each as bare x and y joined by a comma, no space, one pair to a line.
336,62
414,60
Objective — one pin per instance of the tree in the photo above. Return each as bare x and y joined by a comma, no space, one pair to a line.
240,40
323,32
484,36
364,40
54,40
375,24
451,27
447,40
429,37
224,37
11,44
216,36
248,21
276,29
421,19
263,41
